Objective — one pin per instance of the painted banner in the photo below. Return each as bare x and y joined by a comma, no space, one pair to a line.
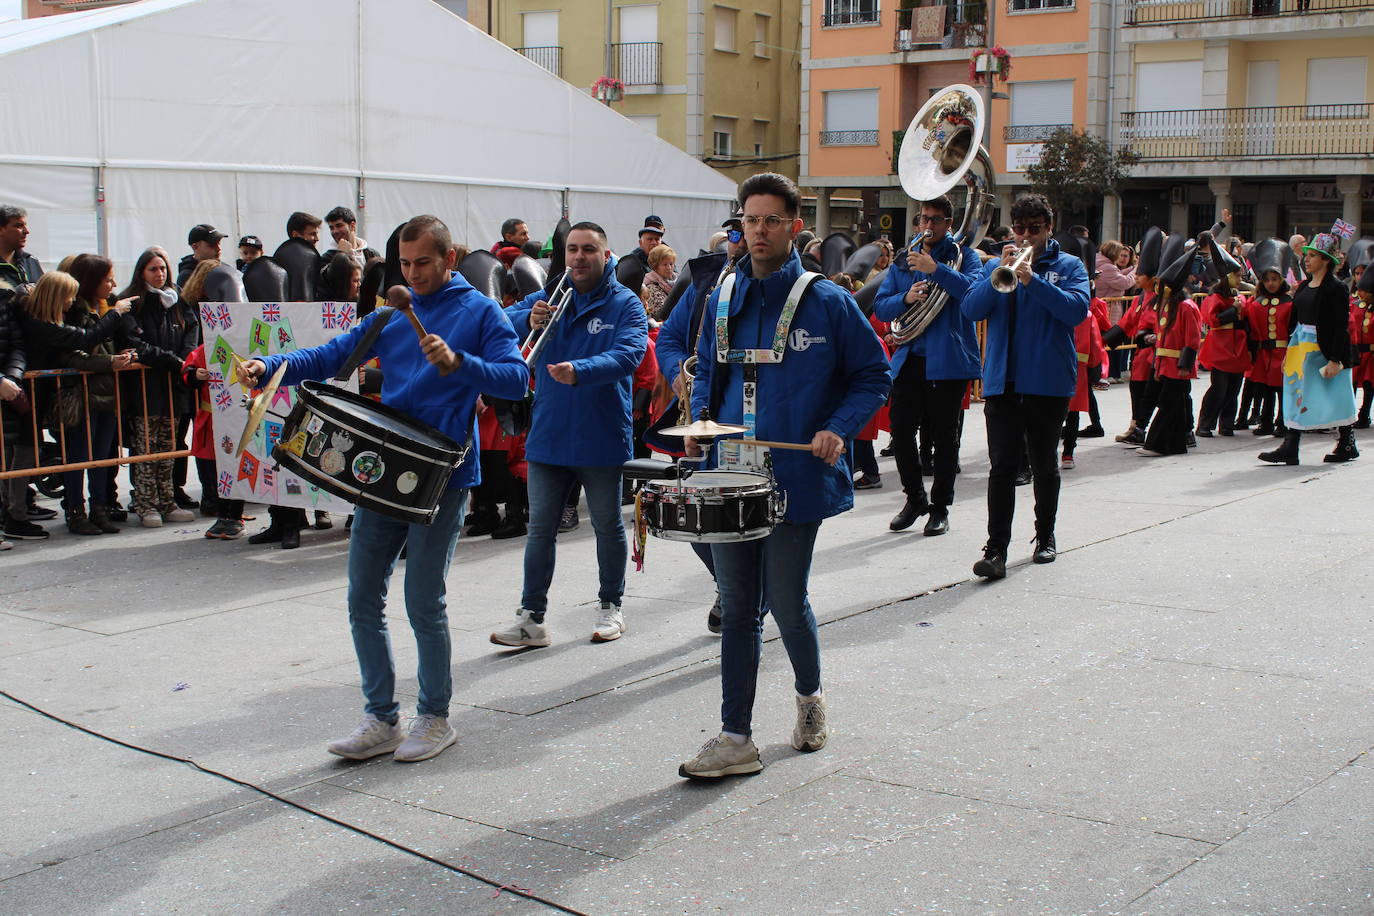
243,330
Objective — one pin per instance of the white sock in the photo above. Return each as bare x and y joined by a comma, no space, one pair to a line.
814,696
736,738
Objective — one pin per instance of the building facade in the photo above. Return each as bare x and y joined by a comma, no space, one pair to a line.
718,81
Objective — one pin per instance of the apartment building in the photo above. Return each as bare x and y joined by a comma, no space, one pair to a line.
1262,106
870,66
717,80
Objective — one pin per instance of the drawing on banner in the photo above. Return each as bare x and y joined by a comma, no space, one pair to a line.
236,331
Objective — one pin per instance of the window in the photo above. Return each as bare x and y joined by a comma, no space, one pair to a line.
1168,95
851,117
1334,85
1038,109
540,30
850,12
1034,6
725,28
722,136
761,48
760,137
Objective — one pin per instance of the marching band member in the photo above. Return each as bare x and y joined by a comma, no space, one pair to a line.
930,372
471,340
1317,388
1226,351
1176,351
1139,324
581,431
1268,313
1029,374
1362,335
797,363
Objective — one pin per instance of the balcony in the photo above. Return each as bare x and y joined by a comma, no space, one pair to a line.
1231,134
1031,133
638,63
849,138
942,25
550,58
1162,12
850,12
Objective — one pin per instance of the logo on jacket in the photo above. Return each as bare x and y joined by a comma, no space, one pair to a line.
801,341
596,326
1052,276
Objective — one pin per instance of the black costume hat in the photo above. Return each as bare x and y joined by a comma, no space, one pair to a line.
1174,276
1229,270
527,274
1173,248
1151,249
1367,278
485,272
835,251
1361,252
1271,254
630,271
558,247
863,260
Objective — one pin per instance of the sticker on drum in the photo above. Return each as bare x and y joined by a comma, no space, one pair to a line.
341,441
368,467
297,444
332,462
315,423
316,445
407,482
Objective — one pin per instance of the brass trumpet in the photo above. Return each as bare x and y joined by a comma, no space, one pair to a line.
1003,277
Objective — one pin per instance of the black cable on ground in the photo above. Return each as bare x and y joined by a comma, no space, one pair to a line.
400,847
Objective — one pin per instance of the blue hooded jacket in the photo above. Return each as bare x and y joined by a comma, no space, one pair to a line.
1042,356
674,342
833,376
471,324
604,335
950,344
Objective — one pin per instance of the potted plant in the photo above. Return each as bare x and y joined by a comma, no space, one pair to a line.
608,89
995,60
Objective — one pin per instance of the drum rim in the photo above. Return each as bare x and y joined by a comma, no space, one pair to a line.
326,392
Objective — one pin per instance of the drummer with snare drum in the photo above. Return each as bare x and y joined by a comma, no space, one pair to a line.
470,348
789,356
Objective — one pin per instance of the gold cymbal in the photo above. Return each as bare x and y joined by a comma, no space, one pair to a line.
704,429
258,408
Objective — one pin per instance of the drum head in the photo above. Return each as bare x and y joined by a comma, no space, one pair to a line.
721,480
383,419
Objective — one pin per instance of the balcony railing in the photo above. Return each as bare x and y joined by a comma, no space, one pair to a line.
1156,12
550,58
638,63
1290,131
1031,133
943,25
849,138
850,12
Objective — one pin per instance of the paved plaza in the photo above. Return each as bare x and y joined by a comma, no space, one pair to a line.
1174,718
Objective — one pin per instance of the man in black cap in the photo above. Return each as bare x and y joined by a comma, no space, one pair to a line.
650,237
204,240
250,249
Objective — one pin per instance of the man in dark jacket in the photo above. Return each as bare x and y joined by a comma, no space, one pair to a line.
204,240
17,266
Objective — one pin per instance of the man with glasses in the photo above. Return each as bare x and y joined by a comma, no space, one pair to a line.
1030,369
931,372
789,356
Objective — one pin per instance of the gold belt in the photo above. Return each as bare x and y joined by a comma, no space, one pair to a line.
1168,354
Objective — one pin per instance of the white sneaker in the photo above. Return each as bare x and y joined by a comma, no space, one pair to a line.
428,736
723,757
524,632
5,545
151,519
610,623
372,737
178,516
811,731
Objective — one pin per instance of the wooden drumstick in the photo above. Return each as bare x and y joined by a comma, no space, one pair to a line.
398,297
794,446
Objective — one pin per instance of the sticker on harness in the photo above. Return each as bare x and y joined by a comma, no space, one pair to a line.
314,423
332,462
368,467
407,482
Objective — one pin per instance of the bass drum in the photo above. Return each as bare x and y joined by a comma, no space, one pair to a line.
369,454
712,507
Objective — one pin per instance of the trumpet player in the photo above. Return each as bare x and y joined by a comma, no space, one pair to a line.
1030,369
931,371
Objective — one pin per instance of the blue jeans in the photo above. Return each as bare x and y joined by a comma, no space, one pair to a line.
78,449
548,488
754,578
376,543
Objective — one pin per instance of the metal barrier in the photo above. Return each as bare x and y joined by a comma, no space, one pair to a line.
38,426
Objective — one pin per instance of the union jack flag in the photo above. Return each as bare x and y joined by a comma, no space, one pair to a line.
329,316
207,316
225,484
266,476
346,315
271,311
222,316
223,399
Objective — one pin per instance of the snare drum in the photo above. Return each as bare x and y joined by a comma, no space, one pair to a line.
712,507
372,455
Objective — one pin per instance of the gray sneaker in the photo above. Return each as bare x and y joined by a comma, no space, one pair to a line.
524,632
610,623
428,736
811,731
371,738
722,757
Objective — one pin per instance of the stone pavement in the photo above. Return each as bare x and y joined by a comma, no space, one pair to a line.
1171,719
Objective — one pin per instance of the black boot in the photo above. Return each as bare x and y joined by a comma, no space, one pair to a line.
911,510
994,563
1345,449
1287,453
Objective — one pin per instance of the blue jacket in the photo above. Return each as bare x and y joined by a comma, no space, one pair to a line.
1042,356
833,375
471,324
950,344
674,342
604,335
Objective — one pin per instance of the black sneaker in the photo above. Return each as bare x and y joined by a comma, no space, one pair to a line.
1044,549
1092,432
19,530
41,514
993,565
570,519
713,617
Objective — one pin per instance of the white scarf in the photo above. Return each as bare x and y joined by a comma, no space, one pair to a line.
167,294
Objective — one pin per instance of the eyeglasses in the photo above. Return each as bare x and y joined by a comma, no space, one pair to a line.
925,218
734,235
772,222
1032,229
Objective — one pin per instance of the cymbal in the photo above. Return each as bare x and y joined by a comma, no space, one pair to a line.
704,429
258,408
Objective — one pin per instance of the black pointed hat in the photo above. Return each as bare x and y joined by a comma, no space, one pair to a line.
1151,247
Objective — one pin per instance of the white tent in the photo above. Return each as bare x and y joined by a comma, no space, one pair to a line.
124,127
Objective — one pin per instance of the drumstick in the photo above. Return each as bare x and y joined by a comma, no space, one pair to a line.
398,297
795,446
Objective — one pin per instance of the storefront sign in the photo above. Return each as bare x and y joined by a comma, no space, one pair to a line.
1021,156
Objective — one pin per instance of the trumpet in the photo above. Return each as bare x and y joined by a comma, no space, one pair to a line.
558,301
1003,278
